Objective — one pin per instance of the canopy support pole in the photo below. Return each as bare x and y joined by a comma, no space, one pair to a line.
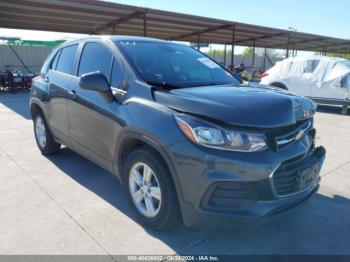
253,62
145,24
198,42
287,53
225,55
264,61
233,46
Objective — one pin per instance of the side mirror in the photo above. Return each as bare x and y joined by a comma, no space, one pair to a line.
96,81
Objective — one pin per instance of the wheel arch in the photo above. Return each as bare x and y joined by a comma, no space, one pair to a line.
34,108
279,84
37,106
131,140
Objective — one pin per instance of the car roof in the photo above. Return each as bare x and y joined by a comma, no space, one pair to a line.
114,38
315,57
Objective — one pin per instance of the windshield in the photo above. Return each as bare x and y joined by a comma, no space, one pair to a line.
172,65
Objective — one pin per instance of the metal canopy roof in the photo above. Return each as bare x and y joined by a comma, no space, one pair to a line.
98,17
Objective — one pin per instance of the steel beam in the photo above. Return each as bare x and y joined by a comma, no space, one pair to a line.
57,6
207,30
233,46
300,42
118,21
346,42
259,38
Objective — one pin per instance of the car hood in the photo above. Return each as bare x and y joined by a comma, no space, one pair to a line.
259,106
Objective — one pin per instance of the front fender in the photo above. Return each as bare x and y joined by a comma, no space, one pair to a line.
158,146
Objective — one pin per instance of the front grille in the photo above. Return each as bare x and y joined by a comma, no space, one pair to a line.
286,136
295,174
229,196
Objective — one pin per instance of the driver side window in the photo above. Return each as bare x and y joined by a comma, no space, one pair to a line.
95,57
117,74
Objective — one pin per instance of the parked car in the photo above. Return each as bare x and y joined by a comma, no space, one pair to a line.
324,79
184,138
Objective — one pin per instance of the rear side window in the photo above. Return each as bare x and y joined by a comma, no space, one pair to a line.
311,66
66,59
95,57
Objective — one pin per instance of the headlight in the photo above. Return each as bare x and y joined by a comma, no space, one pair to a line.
210,135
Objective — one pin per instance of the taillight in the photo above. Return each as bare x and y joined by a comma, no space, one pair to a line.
263,74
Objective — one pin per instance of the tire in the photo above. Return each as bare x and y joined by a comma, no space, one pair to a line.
166,209
43,136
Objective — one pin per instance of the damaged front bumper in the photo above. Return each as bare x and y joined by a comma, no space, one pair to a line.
226,191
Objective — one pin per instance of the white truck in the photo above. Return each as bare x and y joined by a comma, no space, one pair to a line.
326,80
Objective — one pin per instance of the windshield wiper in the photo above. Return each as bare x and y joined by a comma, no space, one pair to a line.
202,84
162,84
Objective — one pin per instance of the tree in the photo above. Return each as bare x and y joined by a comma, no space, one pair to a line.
248,51
347,56
218,52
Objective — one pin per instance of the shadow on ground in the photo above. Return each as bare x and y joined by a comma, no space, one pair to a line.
17,102
331,110
319,226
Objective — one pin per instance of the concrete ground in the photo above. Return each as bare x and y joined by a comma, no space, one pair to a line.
67,205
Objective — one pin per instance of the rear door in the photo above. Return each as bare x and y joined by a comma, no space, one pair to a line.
91,118
59,79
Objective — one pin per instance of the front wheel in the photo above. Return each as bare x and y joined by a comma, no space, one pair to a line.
150,190
43,136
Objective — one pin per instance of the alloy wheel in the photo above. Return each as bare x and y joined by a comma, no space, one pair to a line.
40,131
145,189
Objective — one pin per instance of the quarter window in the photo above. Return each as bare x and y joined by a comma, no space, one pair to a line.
95,57
66,59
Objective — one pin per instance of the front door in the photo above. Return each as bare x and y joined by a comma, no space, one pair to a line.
91,118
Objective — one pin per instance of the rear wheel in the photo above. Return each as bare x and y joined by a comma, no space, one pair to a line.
150,190
43,136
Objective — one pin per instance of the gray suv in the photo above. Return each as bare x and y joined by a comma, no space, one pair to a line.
185,138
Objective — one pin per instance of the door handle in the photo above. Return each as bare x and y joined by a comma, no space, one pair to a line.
46,79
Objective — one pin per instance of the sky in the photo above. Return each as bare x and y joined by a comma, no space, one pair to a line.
324,17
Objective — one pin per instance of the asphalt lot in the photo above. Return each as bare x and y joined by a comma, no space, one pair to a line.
67,205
